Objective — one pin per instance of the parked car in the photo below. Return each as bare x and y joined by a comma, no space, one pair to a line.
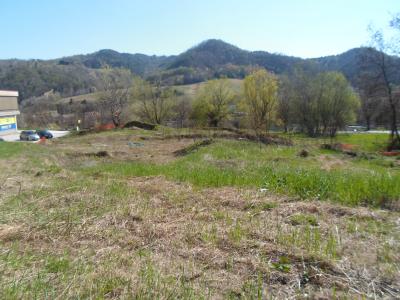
44,133
29,135
1,139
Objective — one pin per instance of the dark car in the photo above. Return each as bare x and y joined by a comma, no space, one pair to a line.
29,135
44,134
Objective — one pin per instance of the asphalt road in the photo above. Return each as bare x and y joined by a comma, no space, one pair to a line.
14,137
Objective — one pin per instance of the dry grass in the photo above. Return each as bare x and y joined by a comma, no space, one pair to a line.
66,235
220,242
125,148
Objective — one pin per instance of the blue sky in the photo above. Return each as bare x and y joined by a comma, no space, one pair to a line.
306,28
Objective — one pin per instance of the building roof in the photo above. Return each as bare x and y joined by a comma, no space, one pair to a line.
9,93
8,113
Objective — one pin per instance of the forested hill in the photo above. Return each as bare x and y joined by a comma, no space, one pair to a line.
139,64
210,59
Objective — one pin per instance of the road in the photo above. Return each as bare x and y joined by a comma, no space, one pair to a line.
14,137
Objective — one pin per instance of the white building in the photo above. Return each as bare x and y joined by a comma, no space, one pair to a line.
8,111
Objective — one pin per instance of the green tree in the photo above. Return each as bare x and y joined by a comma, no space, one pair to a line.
260,90
212,105
322,102
338,103
305,100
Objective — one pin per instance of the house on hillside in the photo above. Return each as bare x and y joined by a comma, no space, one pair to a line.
8,111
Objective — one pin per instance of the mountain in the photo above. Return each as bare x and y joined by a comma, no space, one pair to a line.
139,64
211,54
80,74
35,77
349,63
217,53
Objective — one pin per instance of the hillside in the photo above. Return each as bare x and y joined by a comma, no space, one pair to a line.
188,91
349,63
80,74
139,64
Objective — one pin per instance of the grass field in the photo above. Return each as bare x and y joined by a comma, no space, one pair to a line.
120,215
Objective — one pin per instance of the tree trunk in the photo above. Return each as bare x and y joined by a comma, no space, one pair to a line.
214,123
368,121
394,135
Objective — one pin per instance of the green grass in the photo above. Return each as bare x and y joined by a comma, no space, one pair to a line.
8,150
312,240
365,141
302,219
276,168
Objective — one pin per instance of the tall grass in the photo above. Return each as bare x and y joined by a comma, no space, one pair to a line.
277,170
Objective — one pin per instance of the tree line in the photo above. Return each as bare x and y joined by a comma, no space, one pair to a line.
316,103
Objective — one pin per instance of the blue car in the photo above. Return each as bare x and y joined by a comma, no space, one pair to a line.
44,134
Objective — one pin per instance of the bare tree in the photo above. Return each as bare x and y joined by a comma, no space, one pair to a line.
381,71
115,95
155,100
183,110
285,99
371,101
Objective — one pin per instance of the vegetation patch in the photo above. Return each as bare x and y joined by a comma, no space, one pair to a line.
192,148
302,219
262,168
142,125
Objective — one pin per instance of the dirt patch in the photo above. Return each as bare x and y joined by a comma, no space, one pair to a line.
10,233
239,135
339,147
329,162
90,154
157,148
123,148
391,153
157,185
303,153
194,147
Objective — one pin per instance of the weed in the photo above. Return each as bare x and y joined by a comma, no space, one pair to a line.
56,264
210,235
259,207
283,264
310,239
236,233
303,219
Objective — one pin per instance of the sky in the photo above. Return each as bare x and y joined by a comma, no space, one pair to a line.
46,29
